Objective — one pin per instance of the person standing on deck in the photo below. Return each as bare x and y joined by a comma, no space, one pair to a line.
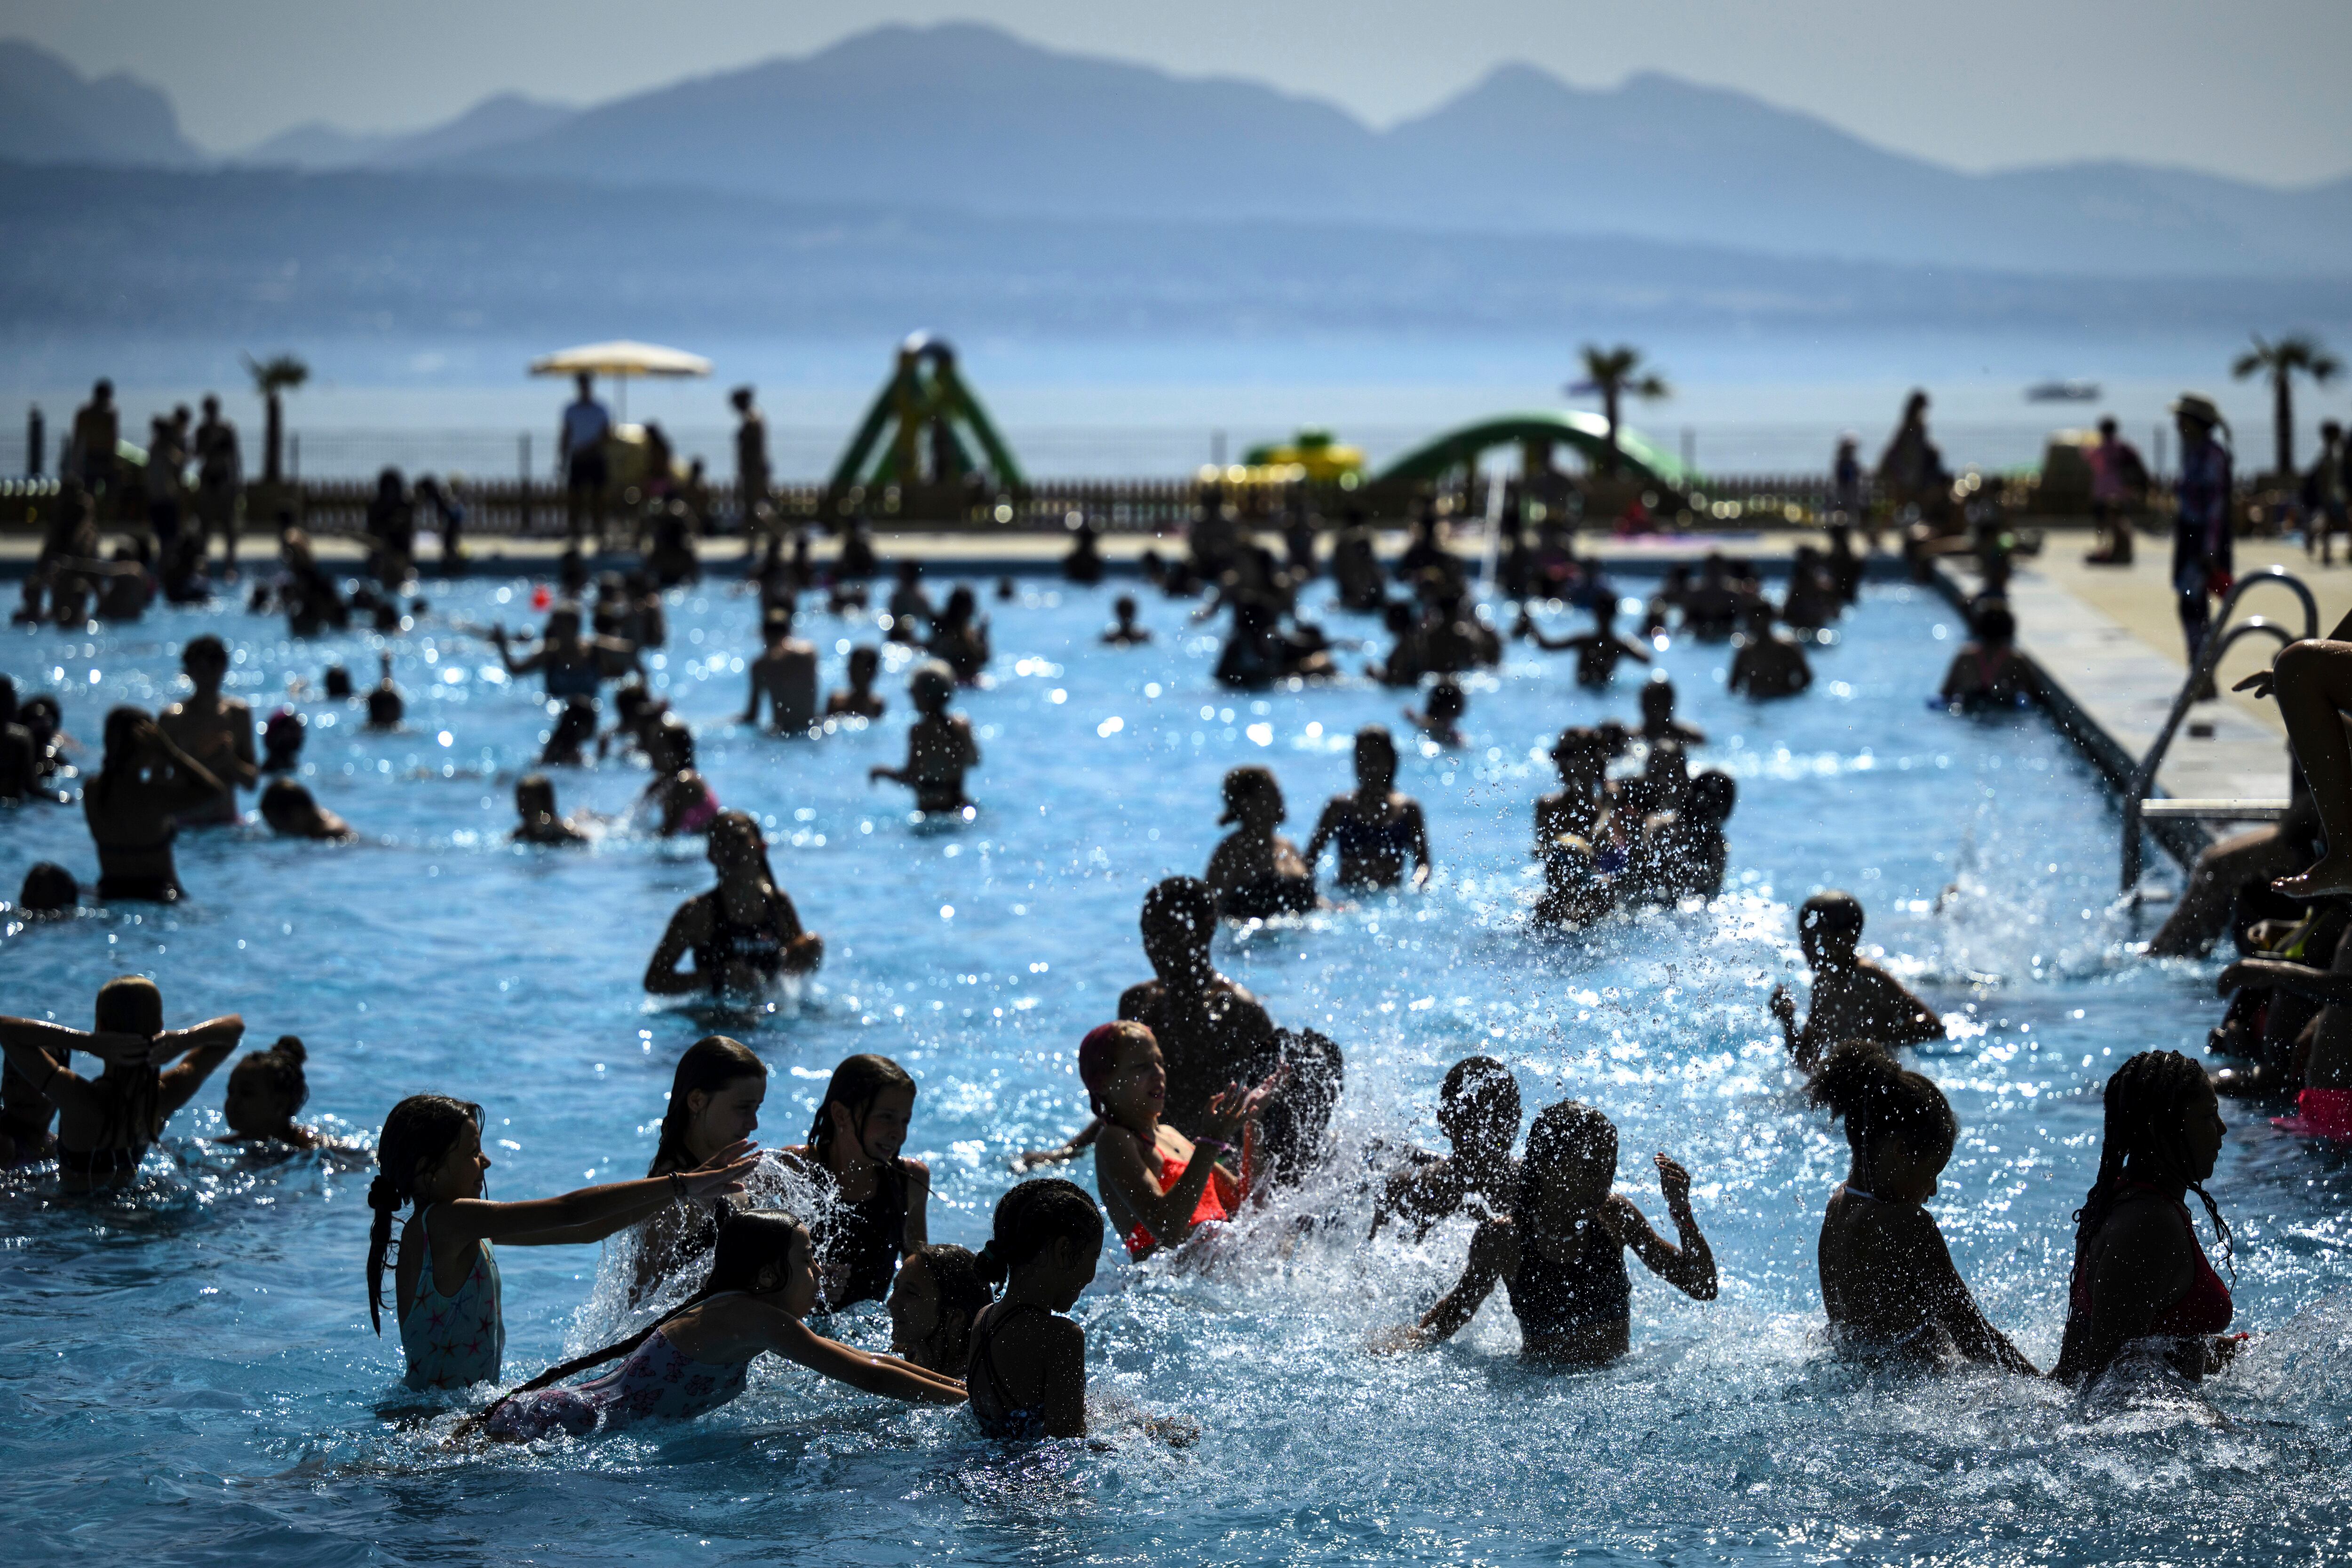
2201,527
96,431
579,446
751,481
220,479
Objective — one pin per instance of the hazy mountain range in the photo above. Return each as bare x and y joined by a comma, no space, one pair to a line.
967,120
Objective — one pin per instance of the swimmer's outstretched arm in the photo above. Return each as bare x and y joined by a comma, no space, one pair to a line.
587,1213
794,1341
1494,1254
690,925
1689,1268
529,662
1080,1141
2282,975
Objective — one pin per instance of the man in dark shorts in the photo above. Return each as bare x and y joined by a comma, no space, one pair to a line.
752,484
581,444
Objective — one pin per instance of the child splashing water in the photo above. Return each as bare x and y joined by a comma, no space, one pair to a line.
1888,1279
1852,997
1027,1372
1479,1113
762,1282
1560,1254
940,747
452,1328
881,1203
715,1097
1160,1186
106,1124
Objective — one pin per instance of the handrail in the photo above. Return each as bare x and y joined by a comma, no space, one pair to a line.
2209,658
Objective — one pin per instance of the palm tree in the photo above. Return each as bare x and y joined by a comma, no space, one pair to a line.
1617,374
277,375
2280,361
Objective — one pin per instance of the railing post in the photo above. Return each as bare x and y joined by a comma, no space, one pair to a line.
522,484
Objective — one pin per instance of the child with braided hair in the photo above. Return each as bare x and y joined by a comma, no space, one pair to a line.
1888,1279
697,1357
2141,1273
430,1155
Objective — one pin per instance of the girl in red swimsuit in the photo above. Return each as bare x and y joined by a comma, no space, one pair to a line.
1160,1186
2140,1272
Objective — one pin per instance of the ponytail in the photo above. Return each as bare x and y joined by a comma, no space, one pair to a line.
416,1137
2146,1101
1031,1217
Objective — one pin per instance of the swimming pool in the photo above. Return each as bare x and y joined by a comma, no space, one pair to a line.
191,1376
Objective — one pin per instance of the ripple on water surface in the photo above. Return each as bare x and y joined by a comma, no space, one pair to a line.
190,1371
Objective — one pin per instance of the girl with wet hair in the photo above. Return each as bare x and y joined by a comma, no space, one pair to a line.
1255,871
1378,826
715,1097
1888,1279
266,1088
879,1211
1160,1186
934,1302
133,805
1027,1372
697,1356
744,934
1560,1254
105,1124
446,1282
2141,1273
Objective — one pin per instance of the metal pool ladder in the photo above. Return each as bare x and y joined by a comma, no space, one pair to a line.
2137,806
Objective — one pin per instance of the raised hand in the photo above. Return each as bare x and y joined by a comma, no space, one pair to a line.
723,1172
2262,683
1784,1006
1674,1183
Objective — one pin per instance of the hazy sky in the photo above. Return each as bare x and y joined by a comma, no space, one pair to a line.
2260,89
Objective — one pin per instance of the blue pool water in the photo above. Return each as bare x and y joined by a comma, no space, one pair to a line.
188,1374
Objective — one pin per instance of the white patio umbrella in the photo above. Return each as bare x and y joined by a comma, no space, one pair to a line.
621,359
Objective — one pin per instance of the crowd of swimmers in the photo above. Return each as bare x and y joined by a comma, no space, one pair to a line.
1202,1108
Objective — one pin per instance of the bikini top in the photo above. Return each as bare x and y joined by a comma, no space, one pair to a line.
2204,1308
1554,1299
858,1245
997,1416
458,1339
758,944
1359,839
1218,1200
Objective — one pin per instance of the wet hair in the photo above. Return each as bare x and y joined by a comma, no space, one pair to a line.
1878,1098
129,1004
1292,1128
284,733
384,707
417,1136
1831,913
956,1271
205,649
339,681
750,1242
49,889
1995,623
1569,1130
2147,1099
1447,701
1482,1083
1099,1054
856,1085
1377,736
1711,796
865,657
278,1069
1657,696
1124,605
709,1065
932,685
1244,785
1031,1217
1186,902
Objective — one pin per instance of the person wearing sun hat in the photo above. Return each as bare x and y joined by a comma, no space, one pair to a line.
2200,529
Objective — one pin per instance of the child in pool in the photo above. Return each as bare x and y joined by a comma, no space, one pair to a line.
934,1302
1658,720
715,1096
281,742
1683,853
1160,1186
430,1155
1578,806
743,933
858,701
265,1090
567,743
1378,826
762,1282
1767,664
1598,652
1888,1279
784,674
385,706
1853,999
1255,871
1479,1113
216,730
1447,704
1027,1370
105,1124
880,1210
1125,632
1986,672
291,813
940,747
537,822
1560,1254
1575,892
